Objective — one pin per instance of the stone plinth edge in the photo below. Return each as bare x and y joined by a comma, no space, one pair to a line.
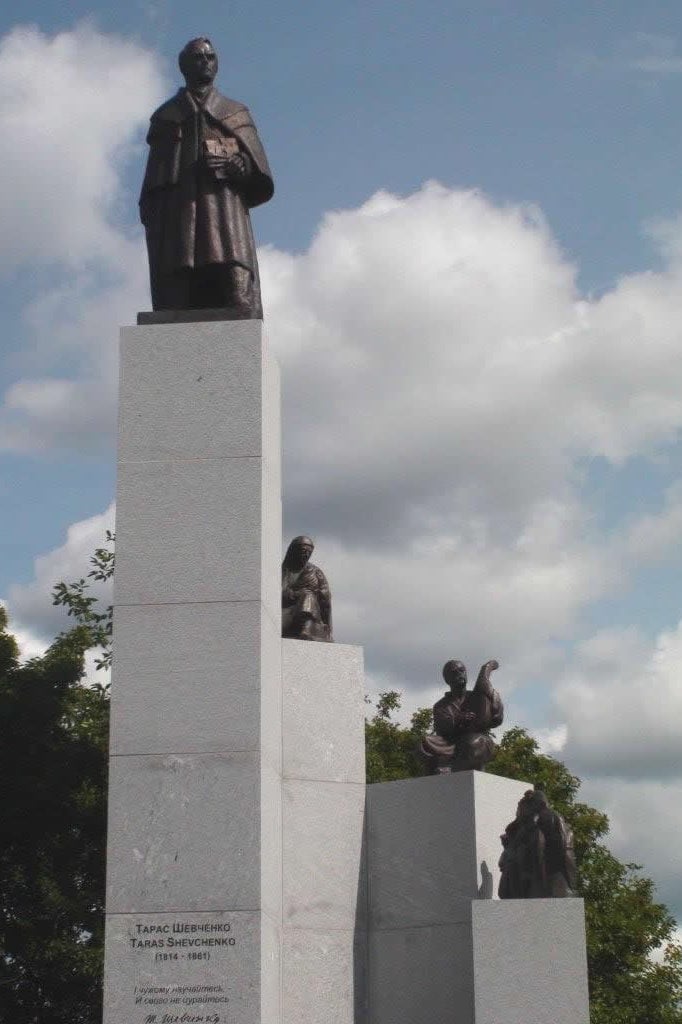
189,316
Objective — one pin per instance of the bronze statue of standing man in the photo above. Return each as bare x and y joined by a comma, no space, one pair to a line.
206,169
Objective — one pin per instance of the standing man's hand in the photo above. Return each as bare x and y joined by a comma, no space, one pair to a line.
233,168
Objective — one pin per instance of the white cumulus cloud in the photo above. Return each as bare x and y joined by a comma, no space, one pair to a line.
622,705
72,109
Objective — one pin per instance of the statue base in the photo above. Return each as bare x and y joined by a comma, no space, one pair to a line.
194,872
441,945
193,316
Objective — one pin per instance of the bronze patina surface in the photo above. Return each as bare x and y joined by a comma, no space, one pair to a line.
306,599
538,859
462,721
206,169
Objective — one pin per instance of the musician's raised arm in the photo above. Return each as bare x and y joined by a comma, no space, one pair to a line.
483,684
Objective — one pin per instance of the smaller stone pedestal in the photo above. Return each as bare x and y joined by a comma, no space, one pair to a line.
529,962
440,948
323,808
433,842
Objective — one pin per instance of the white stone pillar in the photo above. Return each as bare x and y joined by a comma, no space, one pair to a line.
194,852
323,806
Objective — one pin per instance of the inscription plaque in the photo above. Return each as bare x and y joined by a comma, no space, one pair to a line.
182,968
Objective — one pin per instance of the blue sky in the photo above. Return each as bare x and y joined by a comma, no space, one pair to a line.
482,377
533,102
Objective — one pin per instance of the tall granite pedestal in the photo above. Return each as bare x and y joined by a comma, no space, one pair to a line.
194,886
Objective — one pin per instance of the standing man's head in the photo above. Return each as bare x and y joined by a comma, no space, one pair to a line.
455,675
198,62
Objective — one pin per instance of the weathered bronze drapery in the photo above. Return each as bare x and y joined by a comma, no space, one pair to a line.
206,169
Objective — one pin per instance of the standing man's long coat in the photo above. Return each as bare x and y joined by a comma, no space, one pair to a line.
191,217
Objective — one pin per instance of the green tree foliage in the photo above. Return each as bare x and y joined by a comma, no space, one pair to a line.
389,749
624,922
53,733
94,627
